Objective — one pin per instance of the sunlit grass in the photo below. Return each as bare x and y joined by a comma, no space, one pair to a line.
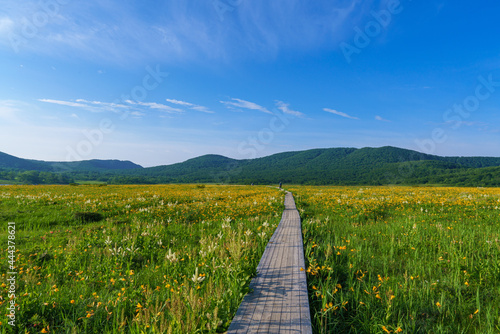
133,259
402,259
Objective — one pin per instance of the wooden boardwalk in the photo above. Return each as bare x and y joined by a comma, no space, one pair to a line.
278,303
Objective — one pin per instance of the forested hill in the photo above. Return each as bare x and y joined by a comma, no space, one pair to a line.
18,170
333,166
336,166
11,162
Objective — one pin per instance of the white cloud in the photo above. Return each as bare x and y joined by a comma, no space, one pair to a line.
339,113
134,108
158,106
191,106
103,104
9,110
284,108
203,109
6,25
182,103
64,103
179,31
245,105
379,118
137,113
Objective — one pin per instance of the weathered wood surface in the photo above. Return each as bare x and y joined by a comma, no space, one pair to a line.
278,303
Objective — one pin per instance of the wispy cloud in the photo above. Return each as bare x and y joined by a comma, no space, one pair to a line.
6,25
239,103
178,30
191,106
134,108
103,104
284,108
380,118
9,110
339,113
65,103
158,106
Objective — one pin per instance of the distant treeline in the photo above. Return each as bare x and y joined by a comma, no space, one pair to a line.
335,166
417,174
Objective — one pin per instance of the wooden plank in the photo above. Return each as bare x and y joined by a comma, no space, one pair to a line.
279,302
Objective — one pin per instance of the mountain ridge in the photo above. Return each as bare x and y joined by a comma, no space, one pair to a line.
329,166
13,162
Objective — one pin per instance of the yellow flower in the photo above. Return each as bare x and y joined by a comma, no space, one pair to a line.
438,304
385,329
72,301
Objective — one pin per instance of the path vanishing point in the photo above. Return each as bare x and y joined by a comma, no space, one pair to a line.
278,303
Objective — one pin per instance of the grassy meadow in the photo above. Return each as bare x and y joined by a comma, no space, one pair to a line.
179,258
402,259
132,259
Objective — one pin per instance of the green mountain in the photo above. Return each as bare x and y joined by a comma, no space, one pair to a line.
11,162
336,166
332,166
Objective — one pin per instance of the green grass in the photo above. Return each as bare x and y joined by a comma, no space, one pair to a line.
402,259
133,259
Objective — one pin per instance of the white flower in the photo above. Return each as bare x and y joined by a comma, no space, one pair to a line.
248,233
266,224
212,247
261,234
197,278
171,256
117,251
108,241
132,249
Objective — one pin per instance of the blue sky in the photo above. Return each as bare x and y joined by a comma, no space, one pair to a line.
161,83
